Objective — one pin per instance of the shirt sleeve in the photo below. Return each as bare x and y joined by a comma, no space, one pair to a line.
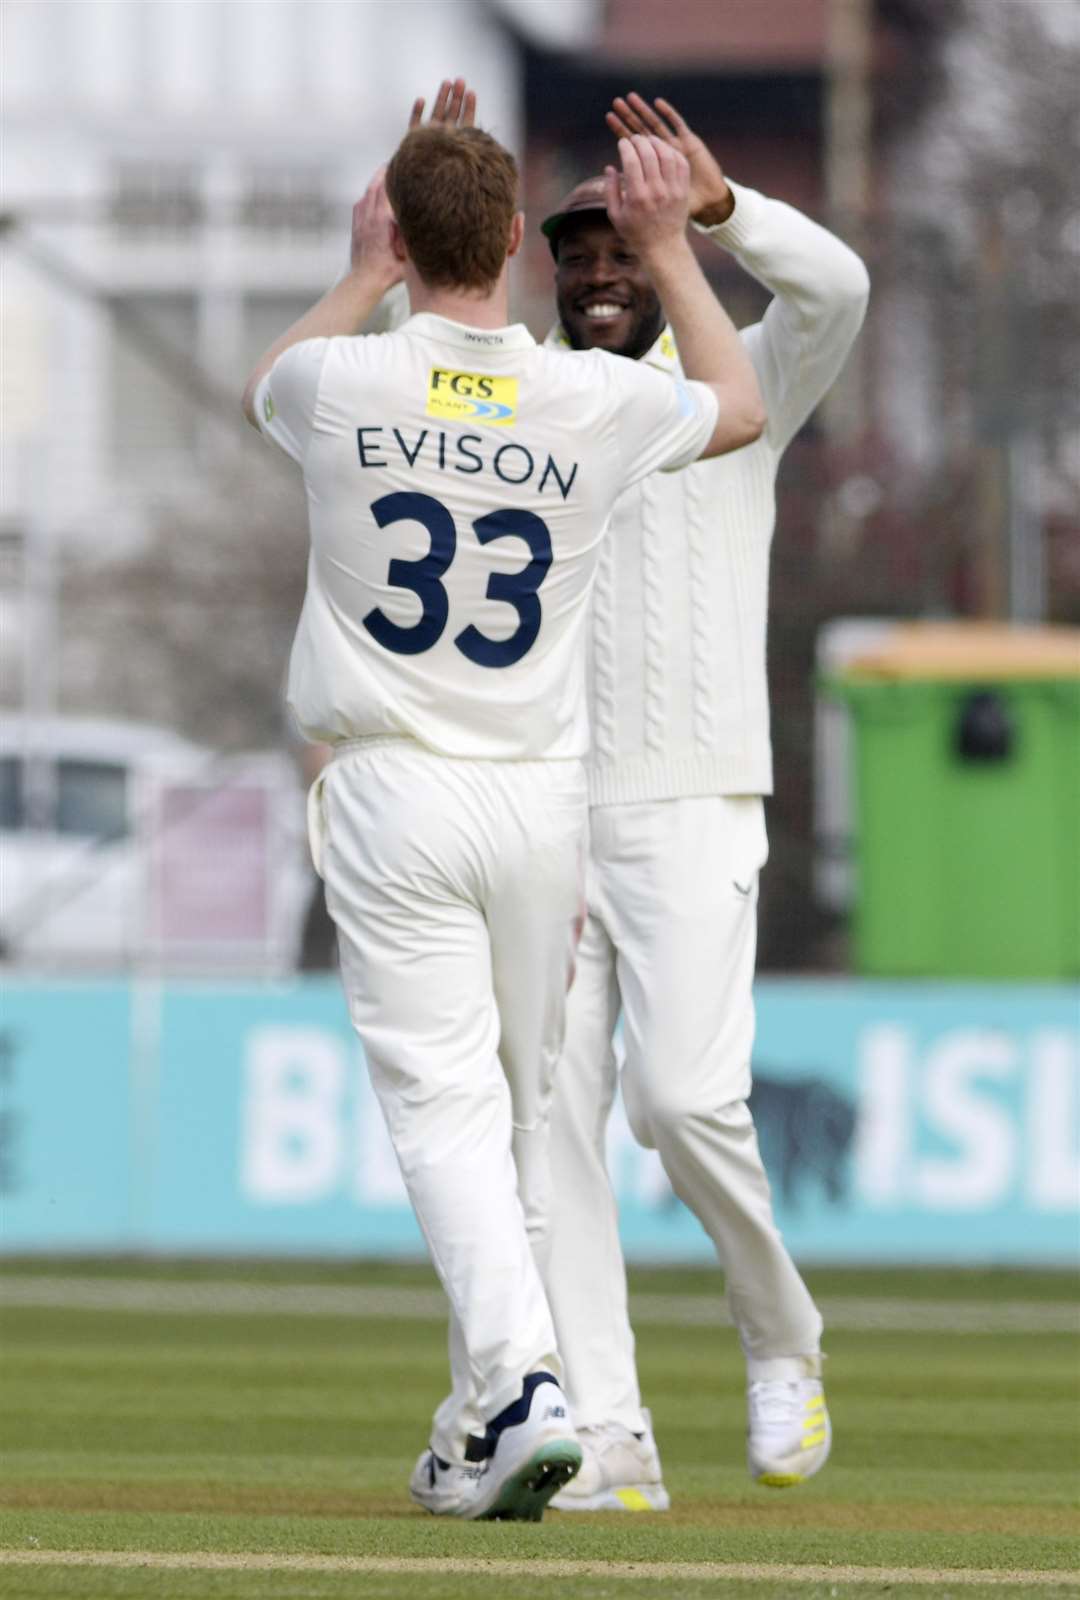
663,421
820,290
285,399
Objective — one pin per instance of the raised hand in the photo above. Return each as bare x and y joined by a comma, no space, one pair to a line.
371,245
711,200
454,106
647,202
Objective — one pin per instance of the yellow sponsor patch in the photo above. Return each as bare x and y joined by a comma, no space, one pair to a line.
471,397
667,346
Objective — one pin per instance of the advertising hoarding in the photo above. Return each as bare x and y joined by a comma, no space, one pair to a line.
898,1122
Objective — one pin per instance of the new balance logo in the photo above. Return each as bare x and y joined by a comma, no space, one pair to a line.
554,1411
436,1465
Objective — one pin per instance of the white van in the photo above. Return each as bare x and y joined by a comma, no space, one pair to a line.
124,846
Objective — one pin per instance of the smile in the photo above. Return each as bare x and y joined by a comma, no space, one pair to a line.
603,311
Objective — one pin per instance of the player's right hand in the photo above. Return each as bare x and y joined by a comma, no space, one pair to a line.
648,201
454,106
371,245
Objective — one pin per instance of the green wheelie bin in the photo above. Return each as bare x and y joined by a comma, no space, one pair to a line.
967,801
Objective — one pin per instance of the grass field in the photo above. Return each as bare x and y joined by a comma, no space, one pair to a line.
210,1430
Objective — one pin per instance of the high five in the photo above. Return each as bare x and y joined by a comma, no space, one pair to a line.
460,483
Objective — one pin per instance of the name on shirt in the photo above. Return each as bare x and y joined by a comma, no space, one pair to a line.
465,452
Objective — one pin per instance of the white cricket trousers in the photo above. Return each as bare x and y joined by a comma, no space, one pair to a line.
457,890
672,891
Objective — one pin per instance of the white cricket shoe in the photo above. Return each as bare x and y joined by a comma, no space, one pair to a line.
788,1429
620,1472
533,1451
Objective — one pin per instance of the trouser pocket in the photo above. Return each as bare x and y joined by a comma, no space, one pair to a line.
316,823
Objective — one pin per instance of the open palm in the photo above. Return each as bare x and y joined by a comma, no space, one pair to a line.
709,190
454,106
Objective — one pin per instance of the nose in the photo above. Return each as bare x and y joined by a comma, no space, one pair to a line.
601,271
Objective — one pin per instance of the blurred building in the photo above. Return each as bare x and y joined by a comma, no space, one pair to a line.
177,185
183,173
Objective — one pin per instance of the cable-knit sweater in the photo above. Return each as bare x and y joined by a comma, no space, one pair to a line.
676,652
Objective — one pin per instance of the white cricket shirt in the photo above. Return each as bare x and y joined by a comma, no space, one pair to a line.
459,484
675,658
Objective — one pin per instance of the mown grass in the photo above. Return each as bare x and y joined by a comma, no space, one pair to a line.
79,1584
239,1433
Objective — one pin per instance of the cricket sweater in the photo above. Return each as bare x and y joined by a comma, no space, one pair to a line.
677,690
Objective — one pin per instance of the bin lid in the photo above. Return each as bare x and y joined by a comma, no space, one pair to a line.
969,650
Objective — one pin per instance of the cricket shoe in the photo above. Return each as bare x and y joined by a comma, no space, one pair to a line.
789,1433
534,1451
444,1488
530,1452
620,1471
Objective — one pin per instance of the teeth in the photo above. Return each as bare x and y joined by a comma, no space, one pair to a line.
603,310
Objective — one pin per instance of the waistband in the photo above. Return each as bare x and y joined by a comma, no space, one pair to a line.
372,741
404,741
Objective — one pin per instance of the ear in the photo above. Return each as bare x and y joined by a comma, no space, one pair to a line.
517,233
397,243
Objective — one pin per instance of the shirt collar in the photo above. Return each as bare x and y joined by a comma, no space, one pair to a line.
664,354
427,325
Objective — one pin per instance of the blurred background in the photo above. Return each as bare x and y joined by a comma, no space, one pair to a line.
177,183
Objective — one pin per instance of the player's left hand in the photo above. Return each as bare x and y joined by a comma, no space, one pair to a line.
454,106
371,244
711,199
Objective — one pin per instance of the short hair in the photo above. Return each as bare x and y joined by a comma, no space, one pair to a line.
454,194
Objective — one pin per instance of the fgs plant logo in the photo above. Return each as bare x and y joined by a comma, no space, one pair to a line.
471,397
